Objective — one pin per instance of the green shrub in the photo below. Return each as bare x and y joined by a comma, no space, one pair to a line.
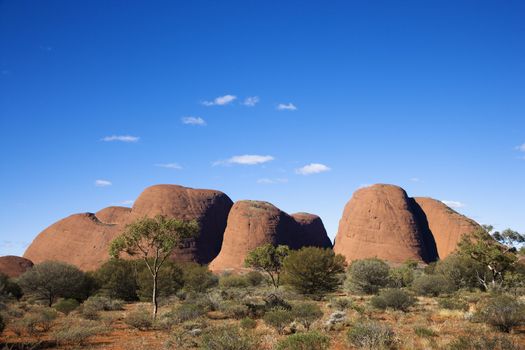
228,338
278,319
254,278
402,276
198,278
116,279
341,303
394,298
452,304
424,332
368,276
274,301
461,271
77,331
9,288
502,312
233,281
100,303
314,271
234,309
65,306
188,311
306,313
483,342
372,335
37,320
431,285
169,281
139,319
248,323
305,341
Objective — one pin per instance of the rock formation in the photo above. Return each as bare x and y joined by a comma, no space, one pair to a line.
14,266
113,215
255,223
447,226
379,221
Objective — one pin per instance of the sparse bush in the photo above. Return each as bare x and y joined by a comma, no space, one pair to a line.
65,306
198,278
402,276
248,323
341,303
483,342
9,288
2,324
37,320
394,298
368,276
116,279
233,281
278,319
314,271
424,332
77,331
187,311
453,304
254,278
100,303
371,335
431,285
305,341
234,309
502,312
461,271
228,338
306,313
139,319
274,301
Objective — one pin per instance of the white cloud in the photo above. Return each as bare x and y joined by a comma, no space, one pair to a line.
193,121
103,183
127,202
521,148
220,101
169,166
247,159
286,107
312,168
415,179
121,138
251,101
266,181
453,204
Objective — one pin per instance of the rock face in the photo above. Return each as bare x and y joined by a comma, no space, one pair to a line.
83,239
255,223
380,221
446,225
14,266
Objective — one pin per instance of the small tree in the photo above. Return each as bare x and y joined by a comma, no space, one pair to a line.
116,278
368,275
153,240
314,271
52,279
508,237
268,259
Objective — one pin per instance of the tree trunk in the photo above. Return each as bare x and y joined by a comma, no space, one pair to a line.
154,296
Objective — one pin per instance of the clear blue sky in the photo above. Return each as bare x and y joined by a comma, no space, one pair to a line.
429,95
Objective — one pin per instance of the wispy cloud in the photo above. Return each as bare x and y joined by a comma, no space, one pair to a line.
415,179
126,202
193,121
220,101
103,183
312,168
251,101
247,159
169,166
121,138
521,148
266,181
286,107
453,204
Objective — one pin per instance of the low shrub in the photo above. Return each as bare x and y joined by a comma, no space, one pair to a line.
424,332
2,324
341,303
101,303
228,338
248,323
278,319
198,278
305,341
65,306
483,342
38,320
306,313
233,281
368,276
139,319
187,311
233,309
453,304
254,278
274,301
431,285
503,312
372,335
77,331
394,298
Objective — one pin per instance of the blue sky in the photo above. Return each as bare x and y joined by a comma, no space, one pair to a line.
428,95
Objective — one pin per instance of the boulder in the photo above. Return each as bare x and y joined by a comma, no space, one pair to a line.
14,266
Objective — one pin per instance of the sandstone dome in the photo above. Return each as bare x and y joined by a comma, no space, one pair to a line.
14,266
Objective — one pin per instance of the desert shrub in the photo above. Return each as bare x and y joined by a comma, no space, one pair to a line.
275,301
169,281
37,320
314,271
234,309
483,342
65,306
278,319
51,280
371,335
424,332
116,279
248,323
187,311
452,304
198,278
254,278
341,303
461,271
394,298
100,303
233,281
306,313
368,276
139,319
9,288
2,324
77,331
401,276
305,341
228,338
503,312
431,285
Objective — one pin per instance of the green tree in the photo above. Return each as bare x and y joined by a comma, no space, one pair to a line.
509,237
51,280
314,271
198,278
116,279
153,240
368,275
170,281
268,259
9,288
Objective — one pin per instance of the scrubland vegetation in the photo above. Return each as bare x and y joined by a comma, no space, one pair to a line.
308,299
